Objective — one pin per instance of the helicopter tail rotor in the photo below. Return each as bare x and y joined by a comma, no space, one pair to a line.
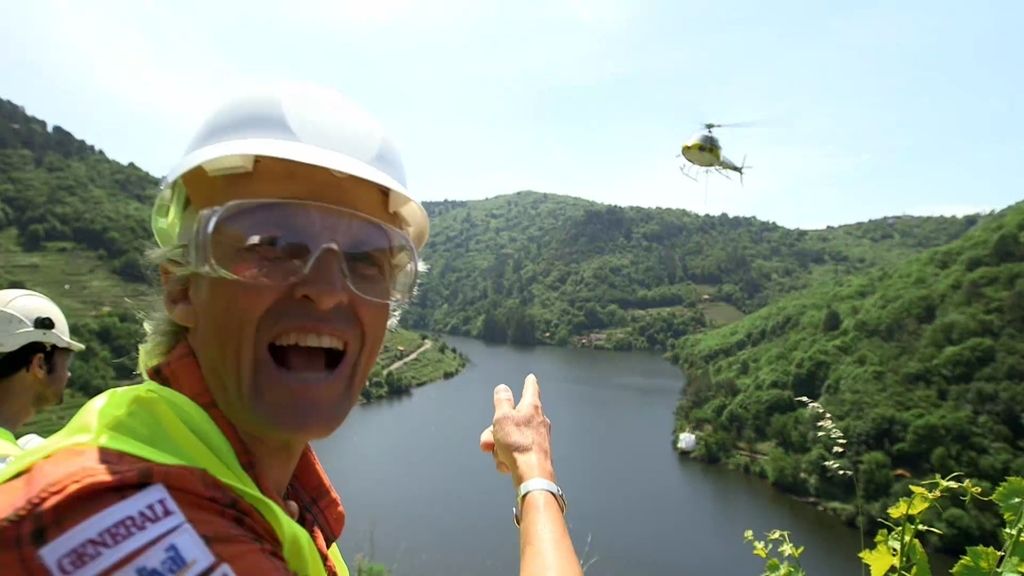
743,166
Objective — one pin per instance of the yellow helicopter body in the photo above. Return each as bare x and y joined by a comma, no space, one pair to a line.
704,152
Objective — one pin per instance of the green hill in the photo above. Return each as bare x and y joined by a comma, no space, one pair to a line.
920,363
75,224
531,267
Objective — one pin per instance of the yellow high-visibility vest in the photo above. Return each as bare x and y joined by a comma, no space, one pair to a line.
161,425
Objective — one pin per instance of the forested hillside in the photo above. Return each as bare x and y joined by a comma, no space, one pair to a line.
920,363
56,188
531,267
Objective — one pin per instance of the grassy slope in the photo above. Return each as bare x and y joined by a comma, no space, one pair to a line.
53,418
78,280
436,362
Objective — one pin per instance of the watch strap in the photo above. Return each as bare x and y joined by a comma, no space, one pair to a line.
532,485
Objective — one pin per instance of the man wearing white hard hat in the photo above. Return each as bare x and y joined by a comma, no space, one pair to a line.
288,244
35,354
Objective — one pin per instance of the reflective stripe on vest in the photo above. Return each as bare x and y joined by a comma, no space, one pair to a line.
9,448
158,424
8,445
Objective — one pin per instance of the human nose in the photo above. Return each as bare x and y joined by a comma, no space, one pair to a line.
324,284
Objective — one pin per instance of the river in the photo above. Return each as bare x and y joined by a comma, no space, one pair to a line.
425,501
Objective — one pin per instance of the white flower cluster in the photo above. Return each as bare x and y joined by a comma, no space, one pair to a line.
832,436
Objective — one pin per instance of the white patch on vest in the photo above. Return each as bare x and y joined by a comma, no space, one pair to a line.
108,536
180,553
223,570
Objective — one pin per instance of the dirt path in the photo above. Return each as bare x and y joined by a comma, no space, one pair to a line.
398,364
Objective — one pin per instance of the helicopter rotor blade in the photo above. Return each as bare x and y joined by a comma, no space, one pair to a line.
711,125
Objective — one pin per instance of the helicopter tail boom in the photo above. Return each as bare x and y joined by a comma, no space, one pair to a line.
727,164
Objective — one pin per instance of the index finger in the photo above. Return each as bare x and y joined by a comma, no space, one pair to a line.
531,390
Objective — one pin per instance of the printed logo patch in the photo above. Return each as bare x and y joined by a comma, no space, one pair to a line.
108,536
180,553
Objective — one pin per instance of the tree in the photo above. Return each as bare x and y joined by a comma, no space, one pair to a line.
784,471
832,320
875,475
1006,247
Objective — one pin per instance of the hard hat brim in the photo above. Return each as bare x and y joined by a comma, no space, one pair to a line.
72,345
401,203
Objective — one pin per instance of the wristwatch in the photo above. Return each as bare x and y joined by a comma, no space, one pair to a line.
536,484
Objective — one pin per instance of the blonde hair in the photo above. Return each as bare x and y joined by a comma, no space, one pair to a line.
162,333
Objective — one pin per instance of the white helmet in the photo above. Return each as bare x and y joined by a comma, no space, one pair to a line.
299,123
27,316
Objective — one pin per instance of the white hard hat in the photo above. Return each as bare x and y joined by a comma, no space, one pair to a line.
298,123
27,316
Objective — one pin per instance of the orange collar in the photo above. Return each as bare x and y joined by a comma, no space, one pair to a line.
309,486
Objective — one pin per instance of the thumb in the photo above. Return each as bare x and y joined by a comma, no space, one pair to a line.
487,439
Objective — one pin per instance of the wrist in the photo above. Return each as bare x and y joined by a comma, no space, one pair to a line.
532,466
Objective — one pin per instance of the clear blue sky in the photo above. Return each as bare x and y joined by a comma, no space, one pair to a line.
865,108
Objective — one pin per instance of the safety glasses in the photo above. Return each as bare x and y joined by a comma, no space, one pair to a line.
276,242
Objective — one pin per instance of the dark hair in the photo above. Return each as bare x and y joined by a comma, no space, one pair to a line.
17,360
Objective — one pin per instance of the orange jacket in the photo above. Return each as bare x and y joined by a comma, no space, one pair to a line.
62,491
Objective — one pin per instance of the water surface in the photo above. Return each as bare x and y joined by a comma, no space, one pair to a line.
421,496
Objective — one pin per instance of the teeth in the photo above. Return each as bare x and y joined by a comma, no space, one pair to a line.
310,340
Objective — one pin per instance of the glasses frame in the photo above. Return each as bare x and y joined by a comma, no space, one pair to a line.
201,261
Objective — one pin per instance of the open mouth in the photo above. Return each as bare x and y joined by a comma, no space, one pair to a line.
306,352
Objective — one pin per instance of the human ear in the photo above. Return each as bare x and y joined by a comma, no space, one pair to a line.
37,367
177,296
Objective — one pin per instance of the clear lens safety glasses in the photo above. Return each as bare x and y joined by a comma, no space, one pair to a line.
277,241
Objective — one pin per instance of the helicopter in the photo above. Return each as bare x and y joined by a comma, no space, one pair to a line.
703,153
